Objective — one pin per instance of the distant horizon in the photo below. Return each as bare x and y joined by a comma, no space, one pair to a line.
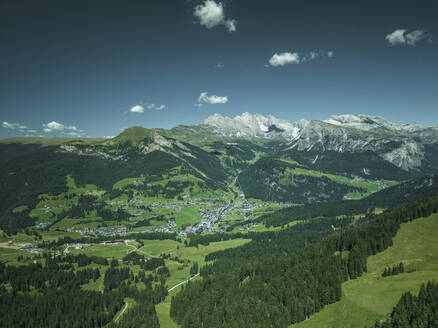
202,122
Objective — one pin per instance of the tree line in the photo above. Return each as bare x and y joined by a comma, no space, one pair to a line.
395,270
389,198
415,311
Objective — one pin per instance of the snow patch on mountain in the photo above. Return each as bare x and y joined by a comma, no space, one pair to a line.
401,145
248,125
362,122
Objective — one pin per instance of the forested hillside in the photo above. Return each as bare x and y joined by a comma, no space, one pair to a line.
412,260
288,288
276,180
409,191
50,295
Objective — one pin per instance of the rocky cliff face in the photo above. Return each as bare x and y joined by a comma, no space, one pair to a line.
401,145
248,126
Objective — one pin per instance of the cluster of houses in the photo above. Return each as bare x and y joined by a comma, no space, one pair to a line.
171,224
42,225
30,248
212,210
76,246
211,217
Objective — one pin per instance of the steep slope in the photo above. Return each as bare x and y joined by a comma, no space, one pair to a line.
247,125
282,181
388,198
410,148
372,297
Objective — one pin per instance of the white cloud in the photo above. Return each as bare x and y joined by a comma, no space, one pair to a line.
58,127
137,109
413,37
313,55
330,54
13,126
230,24
72,134
310,56
396,37
288,58
284,58
211,14
204,98
156,107
54,126
403,37
220,65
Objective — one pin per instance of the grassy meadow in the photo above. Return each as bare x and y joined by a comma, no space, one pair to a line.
372,297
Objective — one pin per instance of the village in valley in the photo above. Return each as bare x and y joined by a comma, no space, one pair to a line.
211,214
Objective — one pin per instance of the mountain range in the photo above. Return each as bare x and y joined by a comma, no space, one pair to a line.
406,146
343,157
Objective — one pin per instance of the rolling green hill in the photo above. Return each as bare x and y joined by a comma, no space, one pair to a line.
16,147
269,260
372,297
187,162
136,153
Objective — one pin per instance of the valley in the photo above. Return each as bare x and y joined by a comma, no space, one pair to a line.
148,217
218,164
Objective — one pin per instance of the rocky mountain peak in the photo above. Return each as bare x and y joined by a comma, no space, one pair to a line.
362,122
248,125
401,145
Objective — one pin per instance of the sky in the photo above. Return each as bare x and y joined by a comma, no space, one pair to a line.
92,68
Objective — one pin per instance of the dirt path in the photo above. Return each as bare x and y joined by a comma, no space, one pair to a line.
121,312
185,281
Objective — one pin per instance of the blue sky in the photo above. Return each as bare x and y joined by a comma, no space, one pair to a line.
73,68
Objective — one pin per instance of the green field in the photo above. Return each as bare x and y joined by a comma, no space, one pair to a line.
10,255
371,297
187,216
154,248
106,251
73,189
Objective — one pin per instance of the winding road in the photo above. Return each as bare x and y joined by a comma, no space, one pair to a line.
185,281
125,307
121,312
